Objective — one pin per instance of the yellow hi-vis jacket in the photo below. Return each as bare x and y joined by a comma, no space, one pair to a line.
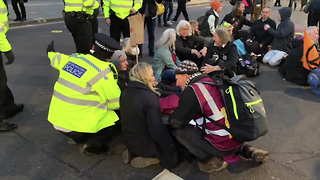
120,7
85,94
80,5
90,11
4,27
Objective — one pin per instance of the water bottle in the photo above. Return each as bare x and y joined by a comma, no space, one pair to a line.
242,64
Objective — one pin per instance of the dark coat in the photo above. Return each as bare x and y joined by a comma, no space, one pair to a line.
144,133
259,34
236,22
292,69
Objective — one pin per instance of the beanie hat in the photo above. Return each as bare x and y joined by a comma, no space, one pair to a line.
215,5
187,67
118,57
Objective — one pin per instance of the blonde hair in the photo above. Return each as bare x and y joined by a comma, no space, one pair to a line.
182,24
223,34
168,39
139,73
193,25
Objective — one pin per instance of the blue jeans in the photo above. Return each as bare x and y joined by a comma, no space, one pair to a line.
166,15
168,75
151,26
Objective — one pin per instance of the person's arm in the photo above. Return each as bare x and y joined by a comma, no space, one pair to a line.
91,4
57,60
231,59
106,8
283,31
137,5
269,39
187,109
208,55
166,56
211,21
252,32
180,49
247,22
107,88
201,41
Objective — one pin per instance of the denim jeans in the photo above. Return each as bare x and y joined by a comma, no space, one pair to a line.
166,15
151,26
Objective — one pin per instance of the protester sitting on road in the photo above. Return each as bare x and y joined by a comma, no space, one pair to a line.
292,69
283,37
195,28
189,46
257,34
165,60
236,18
119,60
144,133
222,54
198,100
86,95
228,26
212,20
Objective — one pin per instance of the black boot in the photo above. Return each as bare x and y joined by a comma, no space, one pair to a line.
5,127
16,109
257,155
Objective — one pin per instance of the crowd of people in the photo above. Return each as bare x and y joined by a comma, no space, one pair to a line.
158,109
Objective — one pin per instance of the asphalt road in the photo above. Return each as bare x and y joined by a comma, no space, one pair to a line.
36,151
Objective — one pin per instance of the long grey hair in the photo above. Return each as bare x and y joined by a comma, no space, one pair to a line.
168,39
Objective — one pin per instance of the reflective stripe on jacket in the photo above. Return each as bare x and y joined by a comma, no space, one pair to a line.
85,94
120,7
4,27
79,5
212,106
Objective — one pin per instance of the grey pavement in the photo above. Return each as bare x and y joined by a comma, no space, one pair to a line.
37,151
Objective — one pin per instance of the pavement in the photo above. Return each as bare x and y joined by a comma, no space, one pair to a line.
36,151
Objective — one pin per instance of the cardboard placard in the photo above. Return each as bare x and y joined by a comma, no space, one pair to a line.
136,29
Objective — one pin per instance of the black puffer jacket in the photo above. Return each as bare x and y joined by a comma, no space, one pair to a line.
284,34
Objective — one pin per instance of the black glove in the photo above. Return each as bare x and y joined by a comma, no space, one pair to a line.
10,56
50,47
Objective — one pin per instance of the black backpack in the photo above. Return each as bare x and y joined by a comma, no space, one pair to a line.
247,65
244,108
202,22
315,6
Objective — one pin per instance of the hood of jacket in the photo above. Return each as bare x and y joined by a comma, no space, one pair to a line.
285,13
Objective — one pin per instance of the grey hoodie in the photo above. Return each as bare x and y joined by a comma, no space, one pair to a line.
284,34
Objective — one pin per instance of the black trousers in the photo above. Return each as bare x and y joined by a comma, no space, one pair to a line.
98,142
314,20
81,33
119,26
182,7
7,105
16,9
277,3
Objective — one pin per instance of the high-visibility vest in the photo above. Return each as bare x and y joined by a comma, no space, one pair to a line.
310,58
90,11
79,5
4,27
120,7
85,94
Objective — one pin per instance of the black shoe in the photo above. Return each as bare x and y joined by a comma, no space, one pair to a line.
17,19
151,54
90,150
23,19
5,127
15,111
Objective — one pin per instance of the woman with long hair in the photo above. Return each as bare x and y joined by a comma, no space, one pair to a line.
165,60
145,136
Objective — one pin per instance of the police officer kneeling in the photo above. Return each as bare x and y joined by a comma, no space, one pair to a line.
86,95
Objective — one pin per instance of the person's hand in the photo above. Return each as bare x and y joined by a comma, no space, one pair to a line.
108,21
193,51
269,48
10,56
208,68
204,51
266,26
133,11
50,47
249,40
261,45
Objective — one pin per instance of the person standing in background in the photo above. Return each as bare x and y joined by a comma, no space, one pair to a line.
182,7
168,5
19,16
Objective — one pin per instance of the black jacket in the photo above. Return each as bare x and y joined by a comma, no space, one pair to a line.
184,46
284,34
227,58
236,22
258,33
205,29
149,8
143,131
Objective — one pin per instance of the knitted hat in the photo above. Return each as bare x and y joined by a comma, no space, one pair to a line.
118,57
215,5
187,67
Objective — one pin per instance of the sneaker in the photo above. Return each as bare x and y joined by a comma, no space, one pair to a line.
126,156
140,162
173,21
214,165
168,22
